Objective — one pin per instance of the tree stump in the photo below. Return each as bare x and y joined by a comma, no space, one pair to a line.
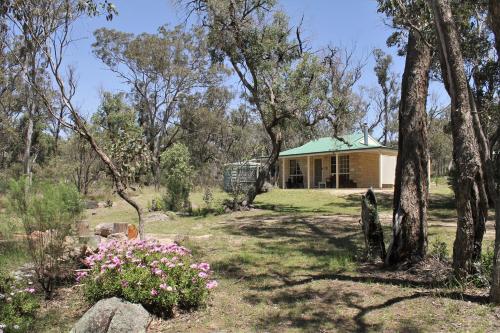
372,229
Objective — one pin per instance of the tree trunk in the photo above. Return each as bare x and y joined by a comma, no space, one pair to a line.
409,223
267,167
494,16
28,139
466,155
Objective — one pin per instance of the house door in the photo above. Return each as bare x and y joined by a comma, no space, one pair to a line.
318,171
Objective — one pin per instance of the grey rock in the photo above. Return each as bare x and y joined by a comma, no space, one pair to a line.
91,204
113,315
92,242
103,229
156,217
119,236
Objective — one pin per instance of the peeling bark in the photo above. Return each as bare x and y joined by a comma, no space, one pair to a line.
469,187
494,16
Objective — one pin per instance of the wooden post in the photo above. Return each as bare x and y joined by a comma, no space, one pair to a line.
283,173
337,170
308,172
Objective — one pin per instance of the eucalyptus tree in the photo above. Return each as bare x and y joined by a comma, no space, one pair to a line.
206,129
64,14
471,151
409,224
281,79
160,69
388,101
494,19
342,73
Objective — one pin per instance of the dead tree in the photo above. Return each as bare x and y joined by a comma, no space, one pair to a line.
372,229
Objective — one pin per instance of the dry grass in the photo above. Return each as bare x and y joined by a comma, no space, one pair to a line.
292,266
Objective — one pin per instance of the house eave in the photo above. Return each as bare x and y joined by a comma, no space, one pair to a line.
388,149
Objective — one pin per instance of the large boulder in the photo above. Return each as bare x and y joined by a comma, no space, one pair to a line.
113,315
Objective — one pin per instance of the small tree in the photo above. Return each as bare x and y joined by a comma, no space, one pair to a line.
177,175
48,213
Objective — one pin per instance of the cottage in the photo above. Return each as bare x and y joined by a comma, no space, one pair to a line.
358,160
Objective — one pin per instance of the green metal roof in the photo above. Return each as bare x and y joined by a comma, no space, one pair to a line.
354,141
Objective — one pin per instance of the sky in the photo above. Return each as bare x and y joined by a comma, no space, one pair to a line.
346,23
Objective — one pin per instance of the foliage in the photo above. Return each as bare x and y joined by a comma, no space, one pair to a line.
161,69
208,197
121,136
160,277
177,176
156,205
18,305
48,213
386,97
484,269
439,249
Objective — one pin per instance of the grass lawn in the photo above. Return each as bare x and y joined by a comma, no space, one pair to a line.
291,266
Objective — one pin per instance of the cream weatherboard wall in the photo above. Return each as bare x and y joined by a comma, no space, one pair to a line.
388,170
366,168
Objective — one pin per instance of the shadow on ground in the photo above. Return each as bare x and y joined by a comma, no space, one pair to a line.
306,268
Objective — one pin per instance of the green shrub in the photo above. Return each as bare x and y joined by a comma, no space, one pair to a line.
208,198
48,213
160,277
484,269
439,249
177,176
156,205
18,306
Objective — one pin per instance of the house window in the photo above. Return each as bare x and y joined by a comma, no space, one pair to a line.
295,179
333,165
295,168
344,164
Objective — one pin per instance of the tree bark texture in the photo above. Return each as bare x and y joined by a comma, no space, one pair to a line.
494,16
372,229
269,165
469,185
409,223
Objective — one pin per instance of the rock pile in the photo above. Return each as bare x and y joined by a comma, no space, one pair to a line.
116,231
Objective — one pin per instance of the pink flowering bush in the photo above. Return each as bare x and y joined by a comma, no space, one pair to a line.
18,305
158,276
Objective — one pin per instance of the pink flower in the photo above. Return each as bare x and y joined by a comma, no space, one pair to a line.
204,266
80,275
202,275
164,286
124,284
211,284
30,290
154,292
157,271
